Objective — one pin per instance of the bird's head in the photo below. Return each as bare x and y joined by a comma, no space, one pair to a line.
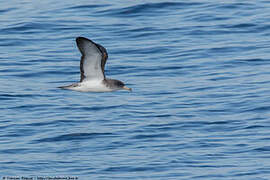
121,85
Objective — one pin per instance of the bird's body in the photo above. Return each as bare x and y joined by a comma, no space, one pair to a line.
89,86
93,60
92,86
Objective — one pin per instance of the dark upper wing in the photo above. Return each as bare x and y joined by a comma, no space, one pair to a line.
104,57
93,59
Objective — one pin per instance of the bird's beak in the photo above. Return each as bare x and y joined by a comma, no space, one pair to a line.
126,88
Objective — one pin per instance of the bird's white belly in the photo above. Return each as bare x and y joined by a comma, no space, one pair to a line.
92,86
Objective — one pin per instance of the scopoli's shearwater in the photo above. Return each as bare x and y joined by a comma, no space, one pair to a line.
94,57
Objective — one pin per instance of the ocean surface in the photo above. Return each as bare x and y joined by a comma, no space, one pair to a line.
200,106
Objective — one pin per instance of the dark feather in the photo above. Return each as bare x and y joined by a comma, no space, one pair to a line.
102,50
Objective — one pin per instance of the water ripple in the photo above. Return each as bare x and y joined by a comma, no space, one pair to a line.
76,136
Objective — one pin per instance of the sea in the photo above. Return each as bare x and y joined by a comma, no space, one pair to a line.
200,105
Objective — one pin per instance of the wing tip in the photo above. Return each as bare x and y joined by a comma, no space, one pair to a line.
81,39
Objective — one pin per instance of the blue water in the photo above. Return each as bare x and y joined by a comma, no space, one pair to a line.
200,106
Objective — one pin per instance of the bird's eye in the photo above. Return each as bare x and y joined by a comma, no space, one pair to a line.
119,83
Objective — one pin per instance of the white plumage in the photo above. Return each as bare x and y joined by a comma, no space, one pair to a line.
90,86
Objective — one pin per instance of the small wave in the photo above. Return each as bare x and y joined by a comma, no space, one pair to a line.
75,136
151,136
146,9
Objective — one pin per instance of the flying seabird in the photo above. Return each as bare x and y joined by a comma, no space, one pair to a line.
93,60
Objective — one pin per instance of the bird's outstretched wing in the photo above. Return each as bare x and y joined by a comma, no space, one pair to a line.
93,59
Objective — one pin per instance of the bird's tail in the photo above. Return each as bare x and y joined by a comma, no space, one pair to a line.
68,86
